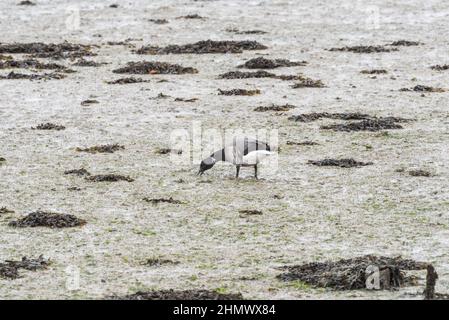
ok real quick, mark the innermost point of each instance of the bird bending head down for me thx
(206, 164)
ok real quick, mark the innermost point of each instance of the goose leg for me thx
(237, 172)
(255, 171)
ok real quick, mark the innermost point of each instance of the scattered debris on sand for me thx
(274, 107)
(74, 189)
(158, 21)
(126, 43)
(238, 92)
(365, 49)
(105, 148)
(32, 76)
(151, 67)
(192, 17)
(440, 67)
(202, 47)
(309, 117)
(186, 99)
(374, 71)
(419, 173)
(308, 83)
(157, 262)
(4, 210)
(179, 295)
(237, 31)
(109, 178)
(10, 269)
(250, 212)
(257, 74)
(405, 43)
(128, 80)
(48, 126)
(302, 143)
(342, 163)
(78, 172)
(167, 151)
(48, 219)
(352, 274)
(117, 43)
(2, 160)
(26, 3)
(88, 63)
(88, 102)
(246, 75)
(29, 64)
(156, 201)
(43, 50)
(368, 123)
(264, 63)
(422, 88)
(364, 125)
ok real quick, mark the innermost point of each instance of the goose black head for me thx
(206, 164)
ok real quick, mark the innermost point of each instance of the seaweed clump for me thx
(368, 123)
(342, 163)
(246, 75)
(48, 219)
(308, 83)
(32, 76)
(180, 295)
(364, 125)
(353, 274)
(147, 67)
(191, 17)
(28, 64)
(440, 67)
(364, 49)
(10, 269)
(257, 74)
(109, 178)
(128, 80)
(156, 201)
(302, 143)
(202, 47)
(238, 92)
(237, 31)
(167, 151)
(264, 63)
(48, 50)
(250, 212)
(87, 63)
(419, 173)
(78, 172)
(309, 117)
(88, 102)
(26, 3)
(49, 126)
(106, 148)
(405, 43)
(157, 262)
(422, 88)
(274, 107)
(158, 21)
(374, 71)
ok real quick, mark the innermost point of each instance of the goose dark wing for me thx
(254, 145)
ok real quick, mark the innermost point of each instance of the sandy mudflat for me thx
(309, 213)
